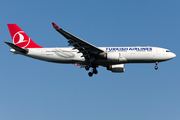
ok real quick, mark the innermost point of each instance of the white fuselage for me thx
(85, 54)
(126, 55)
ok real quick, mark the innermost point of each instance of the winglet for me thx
(54, 25)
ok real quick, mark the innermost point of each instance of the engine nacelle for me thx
(116, 68)
(113, 56)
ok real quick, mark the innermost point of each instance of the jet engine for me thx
(119, 68)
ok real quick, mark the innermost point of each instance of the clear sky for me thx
(35, 90)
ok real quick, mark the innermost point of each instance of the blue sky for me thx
(32, 89)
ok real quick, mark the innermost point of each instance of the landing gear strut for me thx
(94, 71)
(156, 67)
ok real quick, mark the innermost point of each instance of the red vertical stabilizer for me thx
(20, 38)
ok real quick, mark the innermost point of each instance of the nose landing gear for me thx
(156, 67)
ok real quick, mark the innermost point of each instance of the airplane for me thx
(85, 54)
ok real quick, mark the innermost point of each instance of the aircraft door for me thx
(121, 58)
(43, 52)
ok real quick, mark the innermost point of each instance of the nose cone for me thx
(173, 55)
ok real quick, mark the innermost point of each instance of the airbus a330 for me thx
(85, 54)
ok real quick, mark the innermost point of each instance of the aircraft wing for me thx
(84, 47)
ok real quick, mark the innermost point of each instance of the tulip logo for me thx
(21, 39)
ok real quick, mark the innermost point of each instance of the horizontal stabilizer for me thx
(17, 48)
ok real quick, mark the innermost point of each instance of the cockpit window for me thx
(168, 51)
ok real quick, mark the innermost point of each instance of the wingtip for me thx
(54, 25)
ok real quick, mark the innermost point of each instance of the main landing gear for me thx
(94, 70)
(156, 67)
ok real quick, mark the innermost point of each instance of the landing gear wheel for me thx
(90, 74)
(95, 71)
(156, 67)
(87, 68)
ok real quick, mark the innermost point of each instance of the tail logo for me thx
(21, 39)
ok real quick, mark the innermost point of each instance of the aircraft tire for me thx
(90, 74)
(87, 68)
(95, 71)
(156, 67)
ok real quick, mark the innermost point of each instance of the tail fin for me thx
(20, 38)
